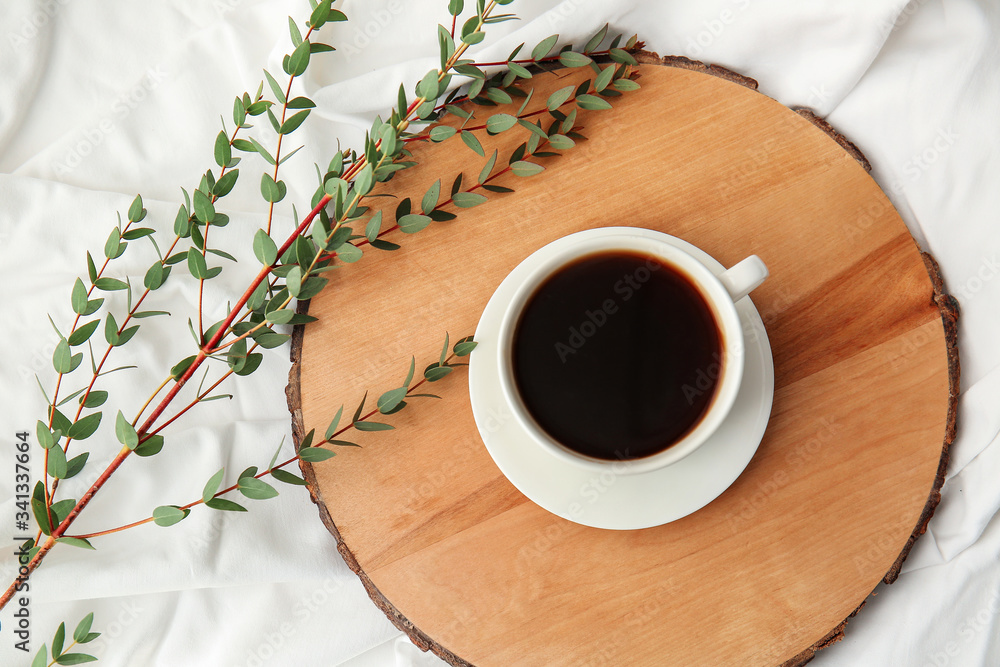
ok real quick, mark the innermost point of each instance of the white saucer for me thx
(623, 501)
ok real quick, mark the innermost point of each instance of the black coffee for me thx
(617, 355)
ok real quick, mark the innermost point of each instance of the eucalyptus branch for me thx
(63, 655)
(391, 402)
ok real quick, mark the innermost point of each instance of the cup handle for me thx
(744, 277)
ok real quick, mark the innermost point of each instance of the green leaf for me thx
(625, 85)
(440, 133)
(59, 421)
(623, 56)
(316, 454)
(94, 305)
(182, 223)
(334, 423)
(349, 253)
(74, 658)
(224, 505)
(75, 465)
(252, 364)
(62, 358)
(592, 102)
(287, 477)
(499, 96)
(57, 462)
(436, 371)
(430, 199)
(472, 142)
(373, 426)
(519, 70)
(126, 335)
(181, 367)
(574, 59)
(409, 374)
(429, 86)
(299, 60)
(271, 190)
(455, 7)
(136, 212)
(561, 141)
(138, 233)
(110, 284)
(150, 446)
(320, 14)
(293, 123)
(45, 438)
(293, 281)
(544, 47)
(342, 443)
(500, 122)
(596, 40)
(58, 639)
(264, 248)
(226, 183)
(196, 264)
(364, 180)
(168, 515)
(41, 515)
(82, 544)
(413, 223)
(465, 346)
(301, 103)
(95, 399)
(279, 94)
(522, 168)
(83, 628)
(373, 227)
(79, 297)
(488, 168)
(223, 151)
(80, 336)
(444, 350)
(155, 276)
(256, 489)
(283, 316)
(380, 244)
(212, 486)
(271, 340)
(41, 658)
(204, 210)
(558, 98)
(125, 432)
(468, 199)
(60, 510)
(604, 78)
(388, 401)
(91, 268)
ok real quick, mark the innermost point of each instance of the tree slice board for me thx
(848, 473)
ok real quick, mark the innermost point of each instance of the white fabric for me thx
(103, 99)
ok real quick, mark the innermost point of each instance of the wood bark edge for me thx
(946, 304)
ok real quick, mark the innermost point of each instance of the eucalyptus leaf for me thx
(168, 515)
(224, 505)
(85, 427)
(316, 454)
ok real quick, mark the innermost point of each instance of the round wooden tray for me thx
(846, 478)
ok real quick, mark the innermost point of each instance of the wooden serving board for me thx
(846, 478)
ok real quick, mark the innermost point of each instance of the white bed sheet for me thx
(101, 100)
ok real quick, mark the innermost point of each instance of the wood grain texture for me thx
(863, 336)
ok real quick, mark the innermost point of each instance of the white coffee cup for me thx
(719, 292)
